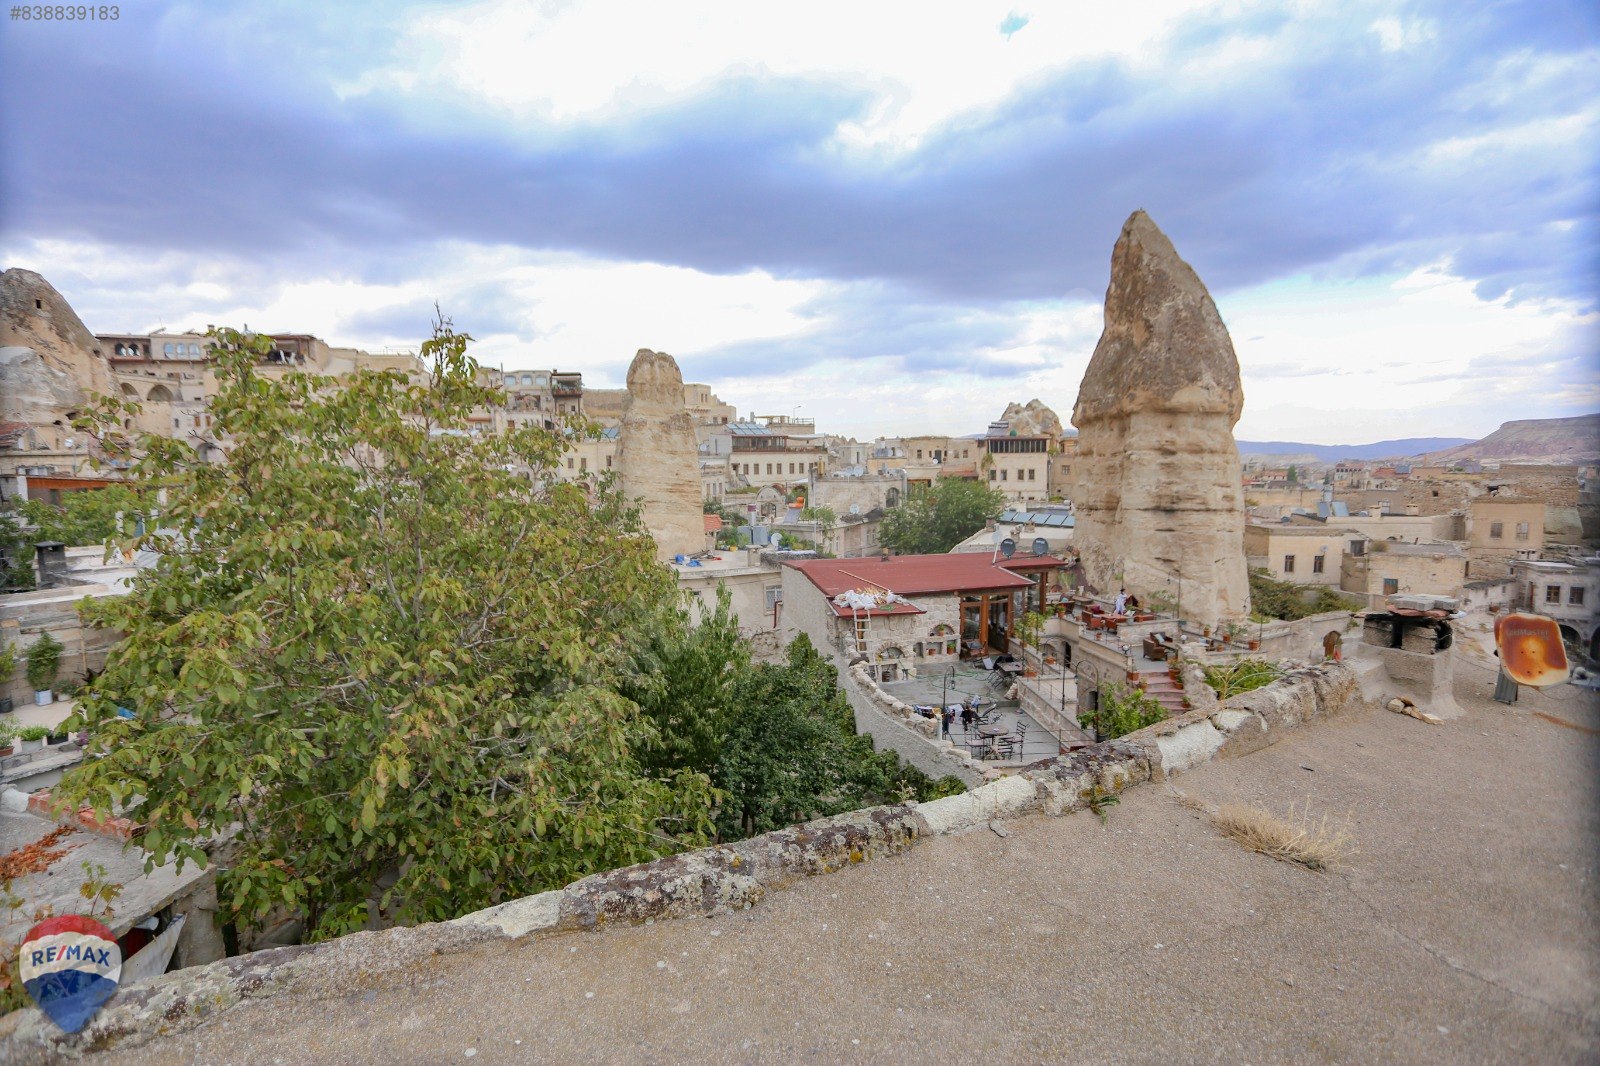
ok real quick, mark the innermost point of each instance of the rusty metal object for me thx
(1531, 650)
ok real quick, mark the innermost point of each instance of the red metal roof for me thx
(920, 575)
(713, 523)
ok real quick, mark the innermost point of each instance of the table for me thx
(1010, 668)
(988, 734)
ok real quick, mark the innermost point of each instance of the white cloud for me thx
(920, 63)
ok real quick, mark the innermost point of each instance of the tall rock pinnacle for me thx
(659, 456)
(49, 361)
(1159, 503)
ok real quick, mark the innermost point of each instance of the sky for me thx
(891, 217)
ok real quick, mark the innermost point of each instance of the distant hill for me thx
(1544, 440)
(1332, 453)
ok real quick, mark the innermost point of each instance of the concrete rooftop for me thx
(1463, 928)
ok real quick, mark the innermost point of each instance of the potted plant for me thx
(8, 732)
(33, 738)
(44, 660)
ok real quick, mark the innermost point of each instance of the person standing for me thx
(1121, 602)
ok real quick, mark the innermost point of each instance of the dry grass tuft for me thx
(1297, 838)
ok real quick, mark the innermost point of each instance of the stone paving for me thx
(955, 684)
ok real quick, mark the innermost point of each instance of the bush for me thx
(1124, 709)
(34, 732)
(44, 661)
(1272, 600)
(1242, 676)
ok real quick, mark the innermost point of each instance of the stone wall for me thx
(694, 884)
(893, 726)
(839, 494)
(24, 616)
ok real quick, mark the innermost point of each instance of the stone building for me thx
(1501, 528)
(776, 453)
(1017, 464)
(1158, 484)
(1305, 555)
(913, 610)
(856, 491)
(544, 399)
(1569, 592)
(1384, 568)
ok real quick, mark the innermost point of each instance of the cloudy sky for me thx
(892, 216)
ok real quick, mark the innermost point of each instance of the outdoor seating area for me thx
(976, 715)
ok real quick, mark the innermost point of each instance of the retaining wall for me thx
(709, 881)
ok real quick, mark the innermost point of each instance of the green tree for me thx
(791, 752)
(89, 516)
(1293, 475)
(686, 682)
(16, 555)
(380, 646)
(936, 519)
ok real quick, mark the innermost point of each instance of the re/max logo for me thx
(98, 956)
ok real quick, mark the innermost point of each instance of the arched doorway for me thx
(1333, 645)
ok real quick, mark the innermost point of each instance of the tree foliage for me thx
(90, 516)
(381, 649)
(777, 740)
(791, 751)
(1123, 709)
(16, 555)
(936, 519)
(1272, 599)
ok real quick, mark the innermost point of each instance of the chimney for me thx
(52, 559)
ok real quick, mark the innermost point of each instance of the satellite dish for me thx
(1040, 546)
(855, 508)
(1008, 547)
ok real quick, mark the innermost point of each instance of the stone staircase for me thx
(1167, 692)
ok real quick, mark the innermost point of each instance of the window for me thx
(194, 349)
(1391, 585)
(991, 475)
(1031, 472)
(1358, 547)
(608, 462)
(166, 350)
(1497, 530)
(569, 462)
(1288, 564)
(583, 464)
(1575, 596)
(1522, 531)
(774, 595)
(1552, 594)
(919, 453)
(1316, 564)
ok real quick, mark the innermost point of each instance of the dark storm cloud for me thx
(880, 330)
(1321, 164)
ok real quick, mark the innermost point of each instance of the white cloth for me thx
(1121, 604)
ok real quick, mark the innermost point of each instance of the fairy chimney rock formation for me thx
(49, 361)
(1032, 419)
(659, 457)
(1159, 507)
